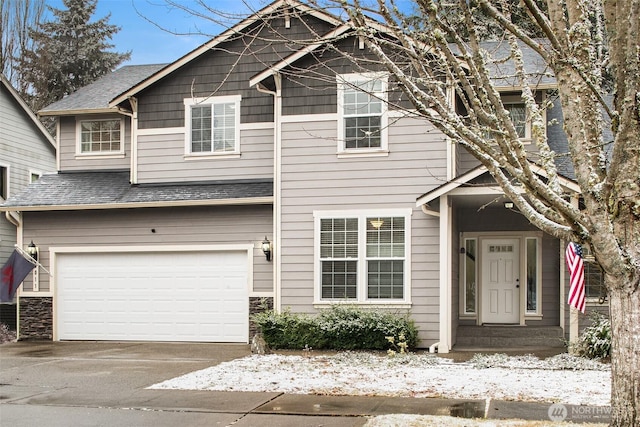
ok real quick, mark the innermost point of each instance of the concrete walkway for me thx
(105, 384)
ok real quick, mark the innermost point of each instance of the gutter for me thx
(178, 203)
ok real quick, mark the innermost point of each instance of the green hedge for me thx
(337, 328)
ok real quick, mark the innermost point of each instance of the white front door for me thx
(500, 281)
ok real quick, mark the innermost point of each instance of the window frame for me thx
(118, 153)
(510, 98)
(362, 259)
(348, 81)
(590, 262)
(5, 178)
(189, 104)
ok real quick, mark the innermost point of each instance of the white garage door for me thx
(152, 296)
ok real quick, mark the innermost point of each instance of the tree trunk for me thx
(625, 356)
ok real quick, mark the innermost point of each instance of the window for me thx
(470, 270)
(363, 258)
(593, 277)
(34, 176)
(362, 112)
(532, 275)
(101, 136)
(518, 115)
(4, 182)
(212, 125)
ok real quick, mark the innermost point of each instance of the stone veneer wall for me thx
(257, 305)
(35, 318)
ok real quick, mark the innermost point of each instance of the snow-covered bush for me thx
(595, 340)
(339, 328)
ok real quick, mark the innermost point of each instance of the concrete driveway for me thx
(104, 384)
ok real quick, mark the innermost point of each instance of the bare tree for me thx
(592, 50)
(583, 43)
(16, 18)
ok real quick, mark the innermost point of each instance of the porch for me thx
(497, 337)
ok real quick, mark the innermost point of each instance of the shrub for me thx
(338, 328)
(595, 340)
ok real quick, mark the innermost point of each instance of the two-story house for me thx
(266, 169)
(27, 151)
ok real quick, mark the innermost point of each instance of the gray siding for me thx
(226, 70)
(314, 179)
(68, 140)
(173, 226)
(23, 149)
(161, 158)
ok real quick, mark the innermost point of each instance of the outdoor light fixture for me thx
(266, 248)
(377, 223)
(32, 250)
(508, 205)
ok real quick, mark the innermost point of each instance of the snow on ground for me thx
(562, 378)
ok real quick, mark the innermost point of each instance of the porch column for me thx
(445, 275)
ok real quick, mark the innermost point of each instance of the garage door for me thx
(152, 296)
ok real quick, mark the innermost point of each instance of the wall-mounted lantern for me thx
(266, 248)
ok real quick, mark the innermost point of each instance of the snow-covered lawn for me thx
(562, 378)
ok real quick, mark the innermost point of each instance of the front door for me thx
(500, 281)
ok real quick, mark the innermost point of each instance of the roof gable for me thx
(16, 96)
(226, 35)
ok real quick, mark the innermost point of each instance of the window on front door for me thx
(363, 258)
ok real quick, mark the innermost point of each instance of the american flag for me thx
(575, 263)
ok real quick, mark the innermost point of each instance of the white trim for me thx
(305, 118)
(363, 153)
(161, 131)
(7, 183)
(211, 101)
(32, 173)
(445, 316)
(348, 81)
(361, 215)
(522, 237)
(100, 154)
(208, 202)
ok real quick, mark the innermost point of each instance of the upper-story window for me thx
(101, 136)
(518, 115)
(212, 125)
(362, 111)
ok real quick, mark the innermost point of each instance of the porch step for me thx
(508, 336)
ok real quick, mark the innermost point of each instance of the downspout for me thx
(427, 211)
(277, 167)
(133, 173)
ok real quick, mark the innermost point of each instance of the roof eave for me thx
(78, 111)
(177, 203)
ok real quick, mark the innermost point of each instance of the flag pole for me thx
(31, 259)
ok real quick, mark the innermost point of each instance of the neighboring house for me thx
(172, 179)
(27, 151)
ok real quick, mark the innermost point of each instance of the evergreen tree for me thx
(68, 53)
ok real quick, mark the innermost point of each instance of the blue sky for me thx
(148, 43)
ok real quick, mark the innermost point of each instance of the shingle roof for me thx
(98, 94)
(101, 190)
(503, 71)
